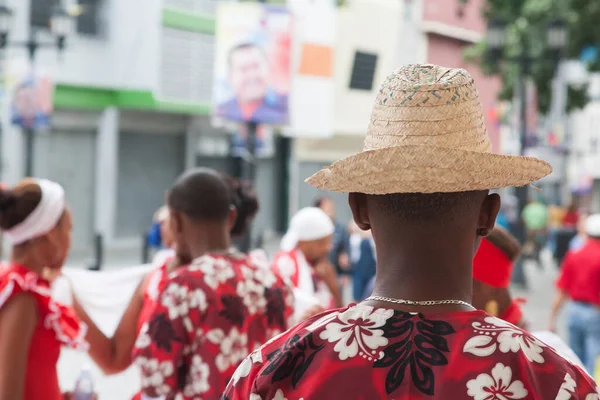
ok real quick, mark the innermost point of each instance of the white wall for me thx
(125, 55)
(584, 131)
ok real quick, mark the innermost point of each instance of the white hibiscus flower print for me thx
(356, 332)
(154, 374)
(498, 386)
(234, 347)
(567, 389)
(259, 258)
(254, 396)
(197, 299)
(265, 276)
(253, 294)
(497, 334)
(143, 340)
(594, 396)
(175, 299)
(197, 378)
(246, 366)
(216, 270)
(286, 267)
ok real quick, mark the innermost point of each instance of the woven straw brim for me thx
(426, 169)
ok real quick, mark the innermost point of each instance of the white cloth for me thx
(104, 295)
(310, 223)
(44, 217)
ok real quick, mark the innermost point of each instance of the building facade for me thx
(131, 112)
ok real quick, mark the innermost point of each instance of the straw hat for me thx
(427, 135)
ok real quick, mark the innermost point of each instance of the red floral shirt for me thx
(367, 353)
(208, 318)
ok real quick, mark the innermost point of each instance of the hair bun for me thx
(7, 199)
(245, 201)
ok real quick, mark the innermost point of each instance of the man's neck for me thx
(424, 267)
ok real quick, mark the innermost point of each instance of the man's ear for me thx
(489, 211)
(233, 214)
(358, 205)
(175, 222)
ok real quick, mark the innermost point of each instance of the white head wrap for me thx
(592, 226)
(308, 224)
(44, 217)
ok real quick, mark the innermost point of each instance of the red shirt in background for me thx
(571, 219)
(580, 274)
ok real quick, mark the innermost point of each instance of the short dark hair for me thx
(426, 207)
(201, 194)
(242, 46)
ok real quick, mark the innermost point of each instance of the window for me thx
(88, 23)
(40, 13)
(363, 71)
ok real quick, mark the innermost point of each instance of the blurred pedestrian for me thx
(340, 252)
(579, 240)
(160, 237)
(216, 307)
(363, 269)
(492, 267)
(303, 261)
(556, 215)
(579, 283)
(535, 218)
(420, 186)
(33, 327)
(492, 270)
(146, 296)
(571, 217)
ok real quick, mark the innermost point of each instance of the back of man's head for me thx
(421, 208)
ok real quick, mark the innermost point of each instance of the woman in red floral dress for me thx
(213, 312)
(114, 355)
(33, 327)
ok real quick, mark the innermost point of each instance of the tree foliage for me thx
(527, 22)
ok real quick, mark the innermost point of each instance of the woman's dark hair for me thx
(245, 201)
(202, 194)
(16, 204)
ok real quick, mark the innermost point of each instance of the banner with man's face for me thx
(31, 92)
(252, 63)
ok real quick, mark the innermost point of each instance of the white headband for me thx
(308, 224)
(44, 217)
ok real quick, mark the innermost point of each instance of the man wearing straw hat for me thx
(422, 186)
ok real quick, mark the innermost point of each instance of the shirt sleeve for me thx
(566, 274)
(164, 338)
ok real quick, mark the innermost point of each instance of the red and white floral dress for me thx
(57, 326)
(367, 353)
(296, 271)
(209, 316)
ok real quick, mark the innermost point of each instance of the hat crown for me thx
(428, 105)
